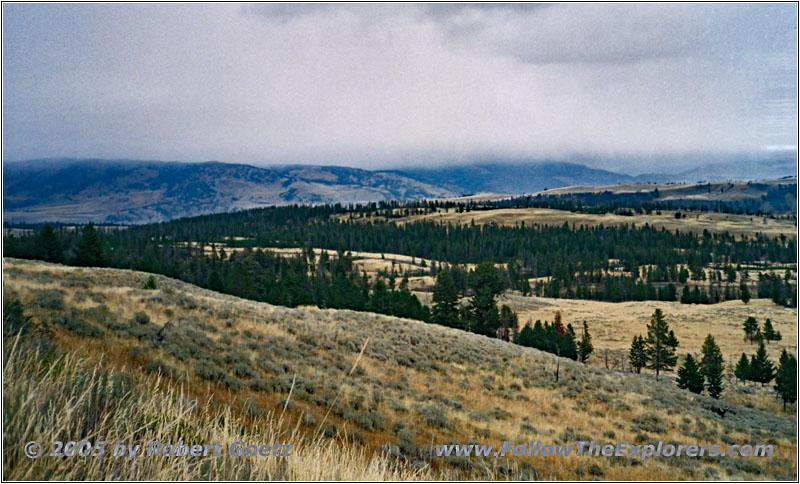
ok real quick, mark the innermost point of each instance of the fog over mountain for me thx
(127, 191)
(400, 85)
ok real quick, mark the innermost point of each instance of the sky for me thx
(377, 86)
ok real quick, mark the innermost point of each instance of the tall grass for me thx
(67, 399)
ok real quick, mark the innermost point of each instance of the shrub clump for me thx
(207, 371)
(141, 317)
(433, 415)
(159, 367)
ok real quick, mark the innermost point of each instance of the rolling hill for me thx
(79, 191)
(126, 192)
(202, 366)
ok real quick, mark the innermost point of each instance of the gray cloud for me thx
(377, 85)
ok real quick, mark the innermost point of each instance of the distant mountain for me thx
(513, 178)
(779, 165)
(120, 191)
(78, 191)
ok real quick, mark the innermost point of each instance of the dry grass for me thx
(613, 325)
(74, 399)
(413, 385)
(694, 222)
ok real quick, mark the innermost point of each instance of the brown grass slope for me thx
(385, 389)
(695, 222)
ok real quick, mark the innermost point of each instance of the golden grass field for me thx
(694, 222)
(383, 389)
(613, 325)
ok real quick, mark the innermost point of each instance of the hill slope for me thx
(513, 178)
(78, 191)
(385, 384)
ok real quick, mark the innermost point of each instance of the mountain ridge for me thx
(75, 190)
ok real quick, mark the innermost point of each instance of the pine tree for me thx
(445, 301)
(585, 347)
(712, 366)
(525, 337)
(567, 346)
(744, 292)
(90, 249)
(661, 344)
(215, 282)
(539, 336)
(713, 377)
(638, 353)
(712, 355)
(786, 378)
(762, 370)
(509, 326)
(48, 245)
(486, 284)
(379, 302)
(689, 377)
(742, 370)
(769, 331)
(750, 327)
(150, 283)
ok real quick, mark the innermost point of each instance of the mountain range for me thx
(130, 191)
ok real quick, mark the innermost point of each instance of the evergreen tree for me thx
(689, 377)
(48, 245)
(89, 252)
(509, 326)
(568, 347)
(712, 355)
(240, 283)
(742, 370)
(150, 283)
(762, 370)
(638, 353)
(539, 336)
(713, 377)
(525, 337)
(769, 332)
(380, 302)
(585, 347)
(215, 282)
(712, 365)
(744, 292)
(750, 327)
(661, 344)
(486, 284)
(445, 300)
(786, 378)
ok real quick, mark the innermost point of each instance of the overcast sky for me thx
(388, 85)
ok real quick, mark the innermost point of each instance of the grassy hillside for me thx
(694, 222)
(383, 389)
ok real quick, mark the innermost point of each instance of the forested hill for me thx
(79, 191)
(514, 178)
(610, 263)
(119, 191)
(130, 192)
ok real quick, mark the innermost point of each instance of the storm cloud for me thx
(388, 85)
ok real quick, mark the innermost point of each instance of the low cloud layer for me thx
(387, 85)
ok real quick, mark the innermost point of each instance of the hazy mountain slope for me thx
(388, 383)
(139, 191)
(78, 191)
(514, 178)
